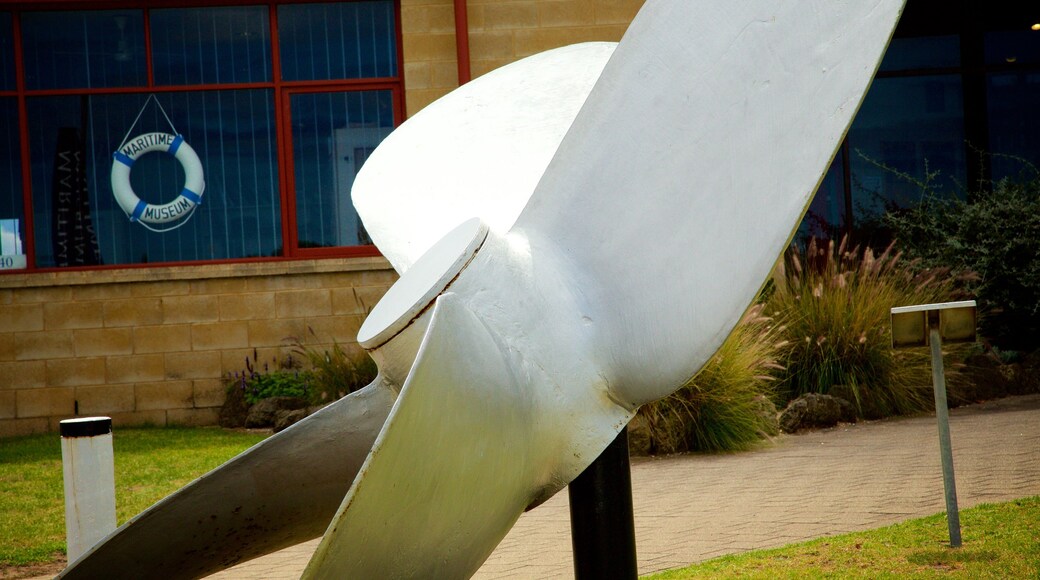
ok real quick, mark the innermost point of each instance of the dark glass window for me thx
(70, 50)
(1014, 122)
(211, 45)
(347, 40)
(905, 128)
(916, 53)
(825, 217)
(333, 134)
(233, 133)
(7, 82)
(12, 214)
(1013, 47)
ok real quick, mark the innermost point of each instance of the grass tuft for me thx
(726, 406)
(836, 303)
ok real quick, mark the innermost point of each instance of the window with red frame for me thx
(280, 102)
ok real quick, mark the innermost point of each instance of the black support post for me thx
(602, 529)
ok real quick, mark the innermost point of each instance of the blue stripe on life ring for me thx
(191, 196)
(175, 145)
(138, 211)
(124, 159)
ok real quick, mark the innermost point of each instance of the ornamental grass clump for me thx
(726, 406)
(836, 302)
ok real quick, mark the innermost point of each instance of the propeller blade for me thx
(276, 494)
(687, 170)
(477, 152)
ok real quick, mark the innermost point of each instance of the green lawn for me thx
(999, 541)
(149, 465)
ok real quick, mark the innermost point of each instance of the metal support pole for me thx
(89, 475)
(602, 527)
(942, 414)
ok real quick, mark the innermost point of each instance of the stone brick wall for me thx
(153, 345)
(500, 32)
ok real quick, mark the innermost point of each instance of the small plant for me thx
(726, 407)
(334, 373)
(274, 378)
(836, 302)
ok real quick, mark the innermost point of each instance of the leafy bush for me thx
(995, 233)
(334, 373)
(726, 406)
(275, 378)
(836, 304)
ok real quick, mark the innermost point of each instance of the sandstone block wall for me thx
(500, 32)
(154, 345)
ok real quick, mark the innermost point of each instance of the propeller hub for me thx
(413, 294)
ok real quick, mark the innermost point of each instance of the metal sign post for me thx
(603, 534)
(928, 325)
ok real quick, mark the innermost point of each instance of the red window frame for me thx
(281, 90)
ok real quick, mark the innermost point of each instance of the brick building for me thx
(106, 311)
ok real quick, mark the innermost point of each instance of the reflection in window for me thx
(7, 82)
(347, 40)
(1013, 47)
(333, 134)
(12, 213)
(232, 132)
(925, 52)
(826, 215)
(910, 126)
(65, 50)
(211, 45)
(1014, 123)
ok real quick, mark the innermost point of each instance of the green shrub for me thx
(836, 304)
(274, 378)
(335, 373)
(726, 406)
(995, 233)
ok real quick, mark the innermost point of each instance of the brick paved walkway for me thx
(691, 508)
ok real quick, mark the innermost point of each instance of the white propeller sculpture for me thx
(618, 239)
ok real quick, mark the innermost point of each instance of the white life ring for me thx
(191, 193)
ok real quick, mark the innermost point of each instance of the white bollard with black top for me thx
(90, 491)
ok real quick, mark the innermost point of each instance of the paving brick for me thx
(249, 306)
(21, 317)
(218, 286)
(209, 392)
(193, 365)
(184, 309)
(45, 402)
(155, 418)
(19, 427)
(42, 295)
(135, 368)
(23, 374)
(75, 371)
(164, 288)
(44, 345)
(8, 406)
(105, 400)
(103, 341)
(66, 315)
(103, 292)
(7, 346)
(132, 312)
(163, 338)
(276, 332)
(193, 417)
(303, 303)
(219, 335)
(163, 395)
